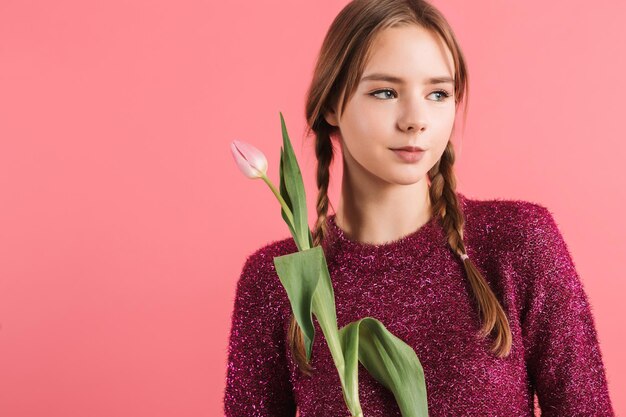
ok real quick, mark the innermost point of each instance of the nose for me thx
(414, 126)
(413, 120)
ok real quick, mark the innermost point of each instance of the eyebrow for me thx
(397, 80)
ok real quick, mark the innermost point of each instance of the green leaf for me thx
(285, 196)
(299, 273)
(389, 360)
(324, 306)
(294, 188)
(306, 279)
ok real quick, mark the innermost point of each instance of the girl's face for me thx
(415, 108)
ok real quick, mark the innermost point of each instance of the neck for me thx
(382, 213)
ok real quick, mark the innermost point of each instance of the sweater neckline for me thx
(426, 235)
(420, 238)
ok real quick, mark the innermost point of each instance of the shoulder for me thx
(258, 277)
(262, 259)
(504, 221)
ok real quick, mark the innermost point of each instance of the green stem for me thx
(280, 200)
(328, 324)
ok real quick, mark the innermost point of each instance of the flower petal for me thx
(250, 160)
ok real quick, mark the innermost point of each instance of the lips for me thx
(408, 156)
(409, 148)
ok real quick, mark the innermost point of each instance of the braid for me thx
(446, 206)
(324, 153)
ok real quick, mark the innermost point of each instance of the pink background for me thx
(125, 222)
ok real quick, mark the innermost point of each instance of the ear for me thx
(331, 117)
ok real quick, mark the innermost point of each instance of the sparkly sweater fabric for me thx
(418, 289)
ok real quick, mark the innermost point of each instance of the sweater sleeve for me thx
(257, 381)
(563, 355)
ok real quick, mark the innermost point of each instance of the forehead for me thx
(411, 52)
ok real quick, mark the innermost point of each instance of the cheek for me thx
(444, 131)
(367, 116)
(451, 119)
(359, 122)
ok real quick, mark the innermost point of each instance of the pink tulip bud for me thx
(250, 160)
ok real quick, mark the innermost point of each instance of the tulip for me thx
(250, 160)
(253, 164)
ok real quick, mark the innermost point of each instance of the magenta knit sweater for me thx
(418, 289)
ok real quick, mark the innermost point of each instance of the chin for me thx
(408, 179)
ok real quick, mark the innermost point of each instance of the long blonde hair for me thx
(339, 67)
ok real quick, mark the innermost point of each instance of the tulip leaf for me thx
(325, 311)
(324, 304)
(306, 279)
(285, 195)
(299, 273)
(294, 188)
(389, 360)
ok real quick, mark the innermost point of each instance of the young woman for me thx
(484, 291)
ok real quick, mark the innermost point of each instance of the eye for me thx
(443, 93)
(382, 91)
